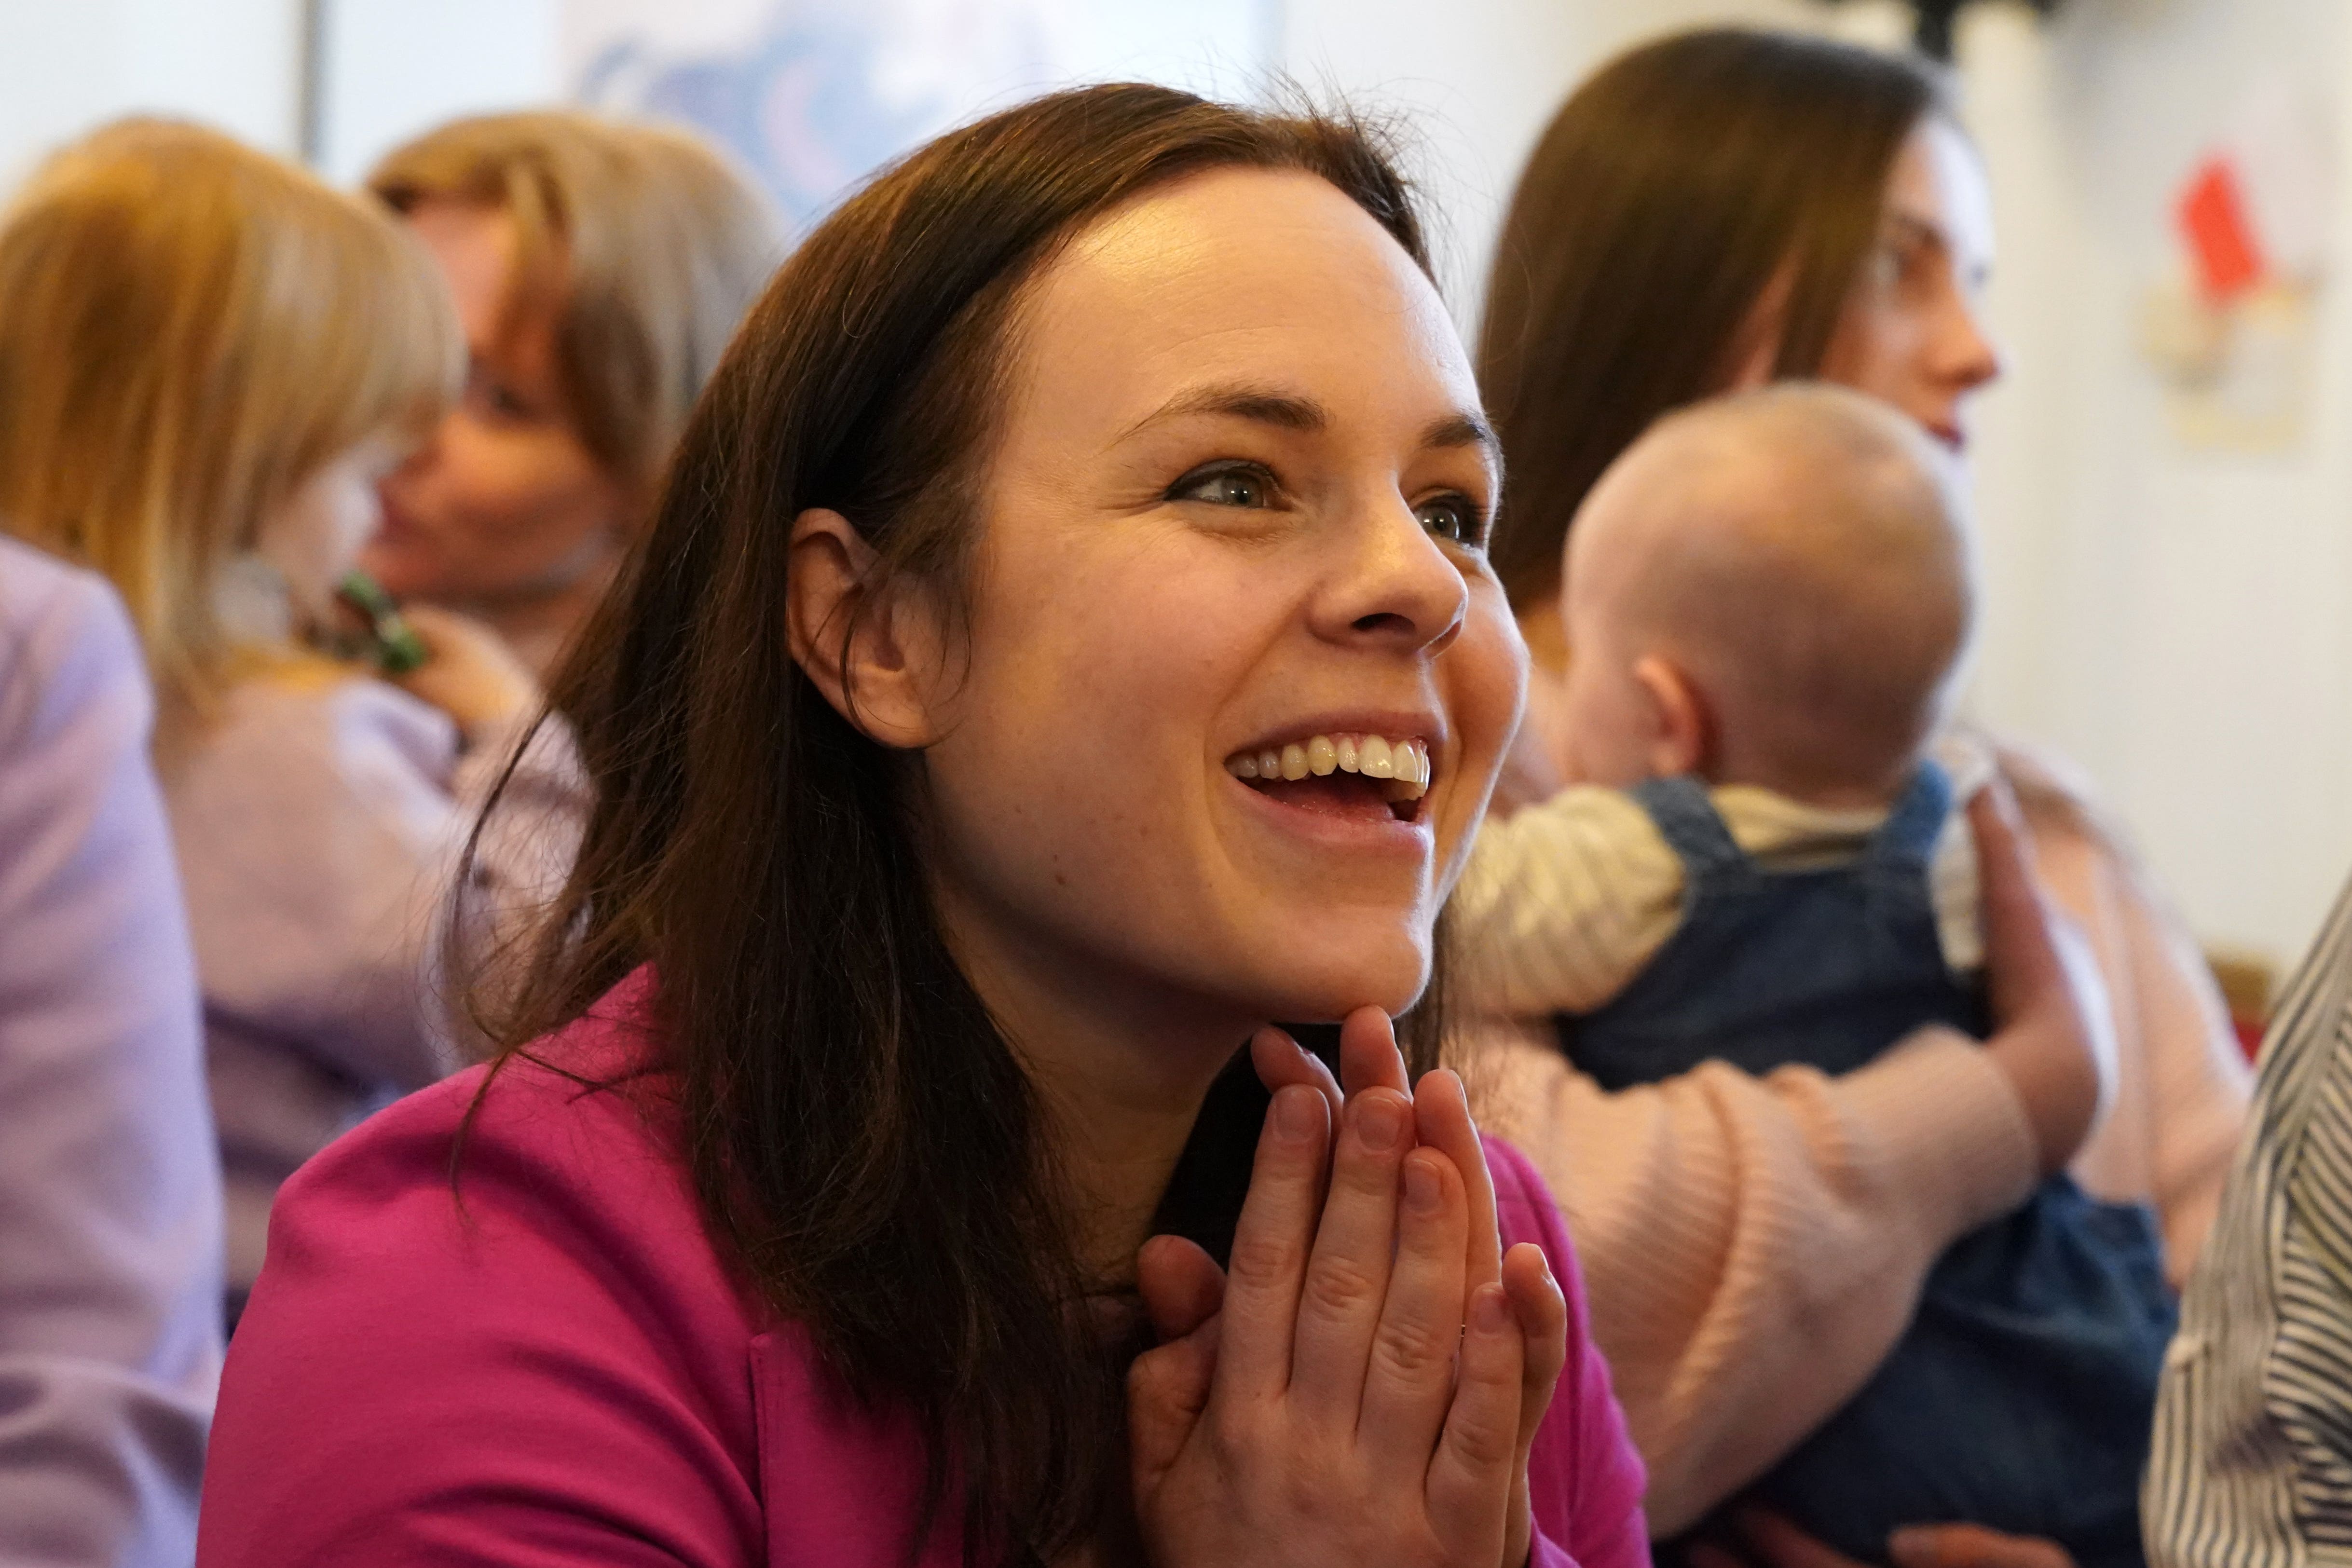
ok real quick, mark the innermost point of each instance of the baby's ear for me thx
(1682, 724)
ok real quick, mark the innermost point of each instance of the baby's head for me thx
(1769, 589)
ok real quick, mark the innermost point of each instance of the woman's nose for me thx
(1400, 587)
(1967, 357)
(405, 475)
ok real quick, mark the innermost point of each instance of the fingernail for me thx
(1489, 1312)
(1911, 1547)
(1422, 1192)
(1464, 1090)
(1379, 1124)
(1295, 1113)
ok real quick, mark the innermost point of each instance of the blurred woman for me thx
(598, 268)
(1711, 211)
(209, 360)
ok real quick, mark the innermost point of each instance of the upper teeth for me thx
(1374, 757)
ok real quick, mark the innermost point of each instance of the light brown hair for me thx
(642, 243)
(189, 329)
(1678, 186)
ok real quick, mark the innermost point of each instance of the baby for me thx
(1767, 600)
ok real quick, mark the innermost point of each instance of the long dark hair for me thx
(865, 1146)
(1668, 196)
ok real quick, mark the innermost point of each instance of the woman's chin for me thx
(404, 570)
(1325, 986)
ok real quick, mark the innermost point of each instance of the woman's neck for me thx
(1546, 636)
(538, 627)
(1122, 1066)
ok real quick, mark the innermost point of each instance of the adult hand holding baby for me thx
(1365, 1384)
(469, 672)
(1762, 1539)
(2054, 1037)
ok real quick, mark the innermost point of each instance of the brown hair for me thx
(188, 329)
(641, 243)
(1672, 193)
(863, 1140)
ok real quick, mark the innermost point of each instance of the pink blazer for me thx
(562, 1372)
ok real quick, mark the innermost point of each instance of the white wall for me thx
(391, 69)
(2179, 622)
(68, 65)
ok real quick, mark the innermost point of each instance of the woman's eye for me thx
(1885, 267)
(495, 398)
(1456, 518)
(1226, 487)
(504, 403)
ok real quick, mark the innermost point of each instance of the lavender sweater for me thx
(110, 1203)
(320, 819)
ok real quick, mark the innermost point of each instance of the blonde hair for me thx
(642, 244)
(189, 329)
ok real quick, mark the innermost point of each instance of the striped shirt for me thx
(2251, 1466)
(1565, 902)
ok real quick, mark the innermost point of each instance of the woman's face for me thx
(1914, 333)
(505, 504)
(1236, 517)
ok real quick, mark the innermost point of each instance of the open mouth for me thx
(1368, 777)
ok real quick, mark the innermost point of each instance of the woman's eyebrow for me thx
(1292, 411)
(1918, 229)
(1462, 430)
(1286, 411)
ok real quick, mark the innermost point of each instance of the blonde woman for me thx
(598, 268)
(209, 360)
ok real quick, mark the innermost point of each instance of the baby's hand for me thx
(469, 672)
(2056, 1038)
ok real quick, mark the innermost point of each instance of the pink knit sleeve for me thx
(1584, 1479)
(2182, 1085)
(1754, 1245)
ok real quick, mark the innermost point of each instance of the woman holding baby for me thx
(1710, 214)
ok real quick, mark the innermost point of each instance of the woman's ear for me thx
(878, 662)
(1681, 738)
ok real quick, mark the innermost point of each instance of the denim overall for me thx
(2022, 1395)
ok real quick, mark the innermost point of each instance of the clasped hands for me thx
(1362, 1384)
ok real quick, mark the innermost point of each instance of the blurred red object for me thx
(2213, 218)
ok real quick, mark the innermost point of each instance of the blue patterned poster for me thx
(815, 94)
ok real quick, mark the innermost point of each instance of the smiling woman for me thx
(810, 1215)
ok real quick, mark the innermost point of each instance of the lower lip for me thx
(1365, 834)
